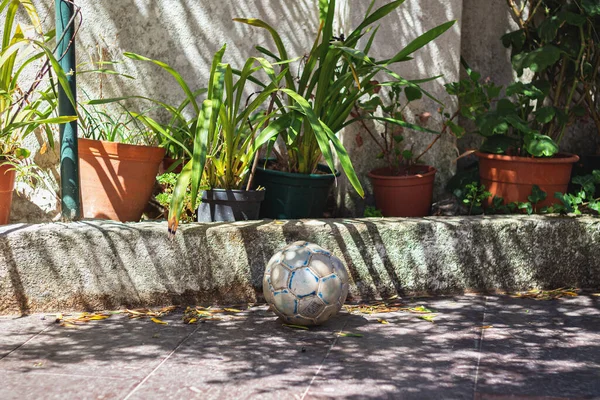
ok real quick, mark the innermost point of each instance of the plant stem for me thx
(444, 129)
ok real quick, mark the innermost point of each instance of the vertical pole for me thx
(69, 159)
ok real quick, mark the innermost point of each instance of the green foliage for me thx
(99, 123)
(332, 77)
(559, 42)
(582, 200)
(22, 111)
(167, 182)
(372, 212)
(390, 141)
(228, 129)
(570, 203)
(474, 196)
(510, 125)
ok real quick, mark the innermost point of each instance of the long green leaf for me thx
(171, 71)
(421, 41)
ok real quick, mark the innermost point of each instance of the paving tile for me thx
(545, 349)
(19, 386)
(407, 358)
(14, 331)
(115, 347)
(253, 356)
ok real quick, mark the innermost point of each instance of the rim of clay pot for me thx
(238, 194)
(297, 175)
(122, 151)
(376, 174)
(559, 158)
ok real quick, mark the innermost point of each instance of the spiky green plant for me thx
(24, 110)
(333, 76)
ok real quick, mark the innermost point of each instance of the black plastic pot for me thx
(294, 196)
(220, 205)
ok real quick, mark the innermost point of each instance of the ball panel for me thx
(275, 259)
(285, 302)
(296, 258)
(310, 307)
(303, 282)
(345, 289)
(299, 320)
(330, 289)
(321, 265)
(328, 312)
(317, 249)
(339, 268)
(280, 276)
(268, 290)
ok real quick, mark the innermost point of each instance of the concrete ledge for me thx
(104, 265)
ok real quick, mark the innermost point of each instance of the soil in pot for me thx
(406, 195)
(294, 196)
(220, 205)
(512, 177)
(7, 186)
(116, 179)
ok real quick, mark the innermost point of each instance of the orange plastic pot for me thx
(512, 177)
(7, 186)
(406, 195)
(116, 179)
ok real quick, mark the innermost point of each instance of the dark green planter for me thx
(220, 205)
(294, 196)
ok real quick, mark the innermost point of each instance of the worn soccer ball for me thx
(305, 284)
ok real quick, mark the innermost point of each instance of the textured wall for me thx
(105, 265)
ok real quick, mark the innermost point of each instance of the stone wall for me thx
(103, 265)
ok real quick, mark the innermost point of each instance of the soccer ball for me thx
(305, 284)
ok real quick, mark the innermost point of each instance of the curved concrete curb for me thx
(105, 265)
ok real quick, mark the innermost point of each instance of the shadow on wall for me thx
(185, 34)
(104, 265)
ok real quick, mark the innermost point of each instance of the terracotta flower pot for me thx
(166, 163)
(512, 177)
(7, 186)
(116, 179)
(406, 195)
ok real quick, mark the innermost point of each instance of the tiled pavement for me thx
(529, 350)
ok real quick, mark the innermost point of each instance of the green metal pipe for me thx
(69, 159)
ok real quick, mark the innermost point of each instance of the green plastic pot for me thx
(294, 196)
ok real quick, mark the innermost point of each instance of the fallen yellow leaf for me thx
(348, 334)
(193, 321)
(158, 321)
(97, 317)
(296, 326)
(234, 310)
(44, 148)
(382, 321)
(428, 317)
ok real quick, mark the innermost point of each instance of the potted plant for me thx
(403, 188)
(560, 43)
(226, 133)
(118, 163)
(23, 111)
(516, 155)
(332, 76)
